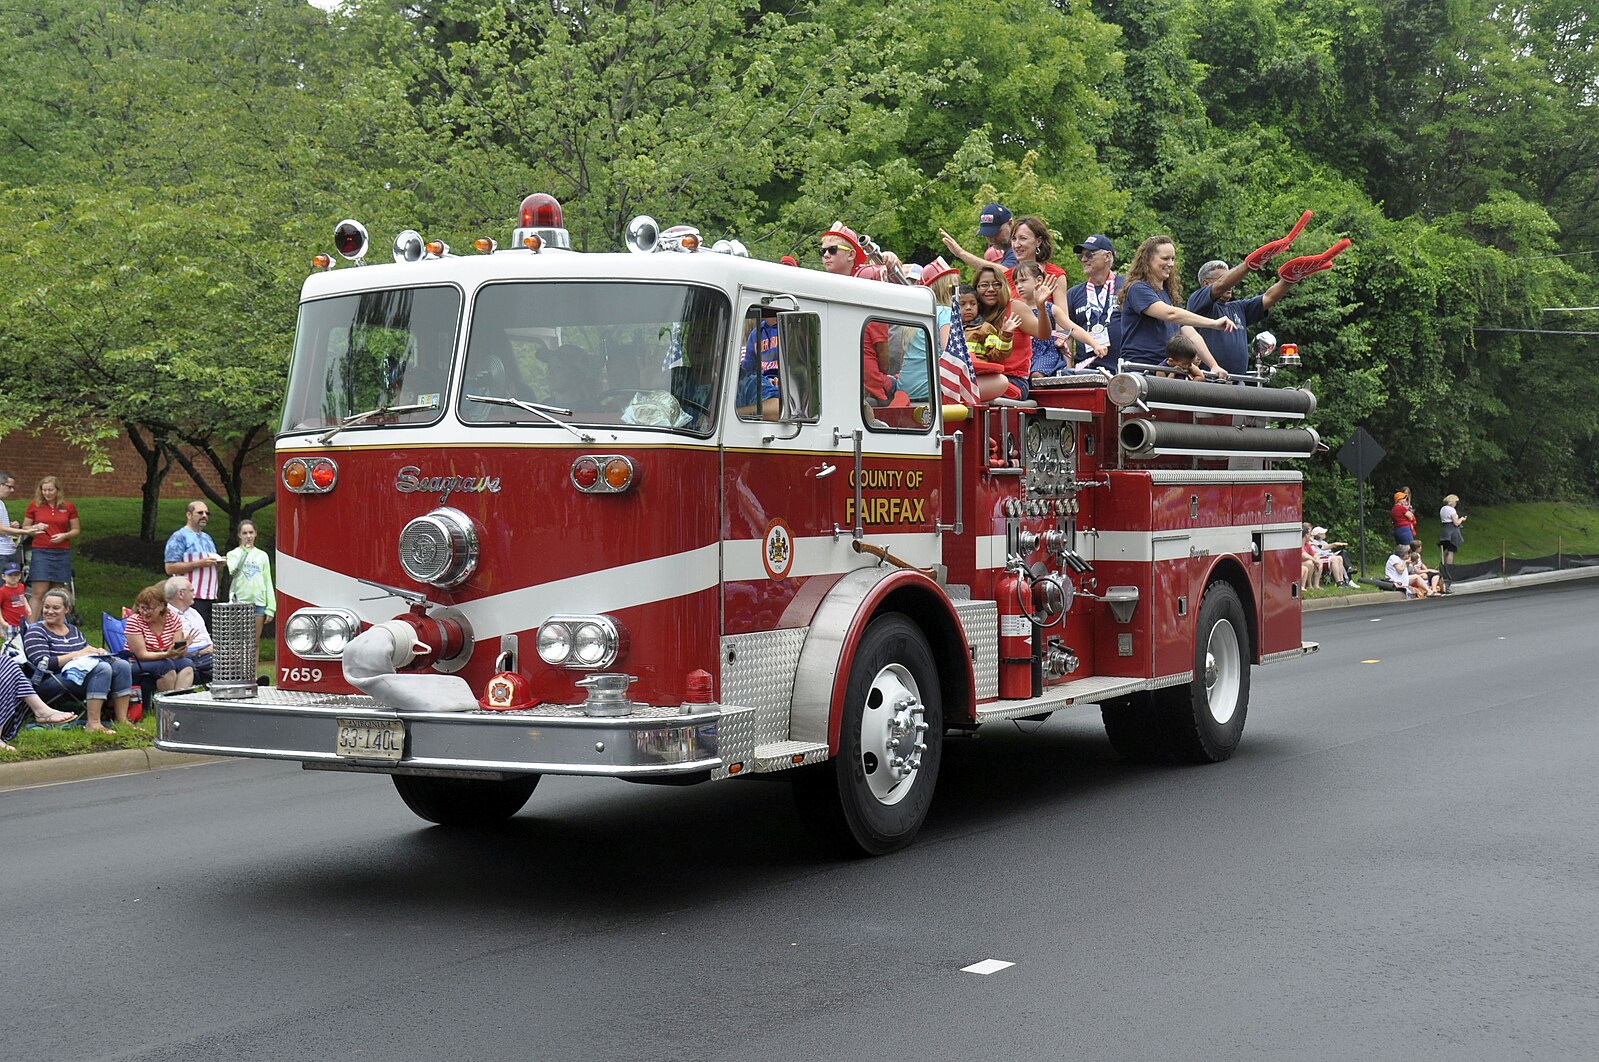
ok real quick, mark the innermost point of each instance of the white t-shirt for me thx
(8, 544)
(1396, 572)
(194, 630)
(1446, 515)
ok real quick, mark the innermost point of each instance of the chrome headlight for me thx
(580, 641)
(320, 633)
(440, 548)
(299, 634)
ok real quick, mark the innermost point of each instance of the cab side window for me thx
(896, 376)
(759, 390)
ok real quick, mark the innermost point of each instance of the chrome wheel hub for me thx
(892, 728)
(1223, 668)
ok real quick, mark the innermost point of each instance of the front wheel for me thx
(874, 796)
(464, 801)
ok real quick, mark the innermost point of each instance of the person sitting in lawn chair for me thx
(64, 659)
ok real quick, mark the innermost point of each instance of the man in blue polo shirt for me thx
(1093, 304)
(1214, 299)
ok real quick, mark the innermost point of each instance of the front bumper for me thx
(548, 739)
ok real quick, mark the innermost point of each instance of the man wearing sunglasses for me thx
(1092, 304)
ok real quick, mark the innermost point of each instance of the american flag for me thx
(955, 364)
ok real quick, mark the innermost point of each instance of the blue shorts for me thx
(50, 566)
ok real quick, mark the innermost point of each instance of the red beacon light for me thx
(540, 218)
(349, 239)
(541, 211)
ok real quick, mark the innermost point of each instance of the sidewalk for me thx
(131, 761)
(1476, 586)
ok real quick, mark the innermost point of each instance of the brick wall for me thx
(30, 455)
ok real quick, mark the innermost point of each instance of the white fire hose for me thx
(373, 657)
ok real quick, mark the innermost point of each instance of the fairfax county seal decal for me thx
(777, 550)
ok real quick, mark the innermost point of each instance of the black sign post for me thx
(1360, 455)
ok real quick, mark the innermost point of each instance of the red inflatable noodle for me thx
(1265, 253)
(1296, 269)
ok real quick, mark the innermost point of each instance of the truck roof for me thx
(701, 267)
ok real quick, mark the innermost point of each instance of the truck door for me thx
(795, 463)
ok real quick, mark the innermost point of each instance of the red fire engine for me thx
(633, 515)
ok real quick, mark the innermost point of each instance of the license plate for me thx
(371, 739)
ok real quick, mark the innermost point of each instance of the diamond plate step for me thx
(779, 755)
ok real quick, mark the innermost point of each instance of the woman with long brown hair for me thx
(1150, 308)
(1006, 359)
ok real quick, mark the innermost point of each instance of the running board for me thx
(785, 755)
(1305, 649)
(1088, 690)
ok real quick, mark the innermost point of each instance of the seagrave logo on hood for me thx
(410, 480)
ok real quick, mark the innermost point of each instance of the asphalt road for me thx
(1399, 863)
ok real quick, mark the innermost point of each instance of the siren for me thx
(643, 234)
(409, 247)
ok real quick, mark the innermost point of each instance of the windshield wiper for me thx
(535, 409)
(360, 418)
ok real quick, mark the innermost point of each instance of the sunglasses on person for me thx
(830, 249)
(1083, 256)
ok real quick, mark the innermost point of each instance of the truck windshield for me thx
(370, 353)
(612, 353)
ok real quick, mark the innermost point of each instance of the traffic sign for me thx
(1361, 453)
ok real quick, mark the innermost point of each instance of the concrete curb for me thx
(1476, 586)
(31, 773)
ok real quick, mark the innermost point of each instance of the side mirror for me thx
(799, 361)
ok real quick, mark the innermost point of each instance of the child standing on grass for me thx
(13, 600)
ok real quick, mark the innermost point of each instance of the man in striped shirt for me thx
(190, 552)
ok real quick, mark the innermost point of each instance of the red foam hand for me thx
(1296, 269)
(1266, 252)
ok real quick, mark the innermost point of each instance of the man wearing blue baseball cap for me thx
(994, 224)
(1093, 303)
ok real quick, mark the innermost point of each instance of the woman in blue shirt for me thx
(1150, 310)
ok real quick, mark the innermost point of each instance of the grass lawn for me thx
(1532, 529)
(41, 744)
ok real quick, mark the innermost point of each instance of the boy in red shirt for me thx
(13, 600)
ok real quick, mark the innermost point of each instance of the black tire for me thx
(464, 801)
(1203, 720)
(862, 801)
(1206, 717)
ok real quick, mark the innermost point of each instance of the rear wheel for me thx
(874, 796)
(1201, 721)
(464, 801)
